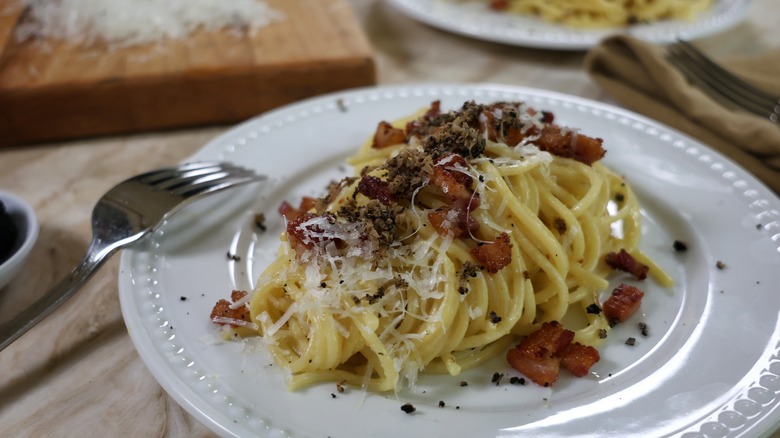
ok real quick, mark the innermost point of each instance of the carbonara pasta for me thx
(604, 13)
(459, 232)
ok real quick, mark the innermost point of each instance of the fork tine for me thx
(174, 184)
(725, 96)
(197, 176)
(721, 84)
(211, 185)
(722, 76)
(197, 168)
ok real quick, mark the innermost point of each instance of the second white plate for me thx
(475, 19)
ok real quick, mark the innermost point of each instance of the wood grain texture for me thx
(10, 12)
(52, 90)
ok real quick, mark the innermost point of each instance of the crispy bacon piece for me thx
(297, 233)
(451, 163)
(570, 144)
(512, 133)
(624, 261)
(494, 255)
(541, 354)
(499, 5)
(454, 220)
(420, 126)
(304, 235)
(578, 358)
(290, 213)
(223, 310)
(623, 303)
(542, 371)
(551, 138)
(386, 135)
(456, 185)
(547, 116)
(375, 188)
(307, 203)
(536, 356)
(449, 184)
(509, 135)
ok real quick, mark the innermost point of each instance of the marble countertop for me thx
(77, 373)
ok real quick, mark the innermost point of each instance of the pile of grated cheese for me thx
(123, 23)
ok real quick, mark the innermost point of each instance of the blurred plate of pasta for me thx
(706, 364)
(477, 19)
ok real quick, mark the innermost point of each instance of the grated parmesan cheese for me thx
(122, 23)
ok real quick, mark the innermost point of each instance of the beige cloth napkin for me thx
(639, 77)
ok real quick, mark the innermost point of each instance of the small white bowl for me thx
(27, 224)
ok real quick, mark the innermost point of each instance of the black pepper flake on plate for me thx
(496, 378)
(183, 298)
(464, 383)
(341, 105)
(514, 380)
(260, 221)
(332, 395)
(593, 308)
(441, 403)
(720, 265)
(631, 341)
(679, 246)
(234, 257)
(408, 408)
(643, 328)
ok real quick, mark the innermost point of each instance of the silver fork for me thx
(721, 84)
(129, 212)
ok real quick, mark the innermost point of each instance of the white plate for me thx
(475, 19)
(709, 366)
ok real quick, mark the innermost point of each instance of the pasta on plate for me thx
(460, 232)
(604, 13)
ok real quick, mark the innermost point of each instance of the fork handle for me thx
(35, 313)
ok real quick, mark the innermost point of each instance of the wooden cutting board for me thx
(55, 91)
